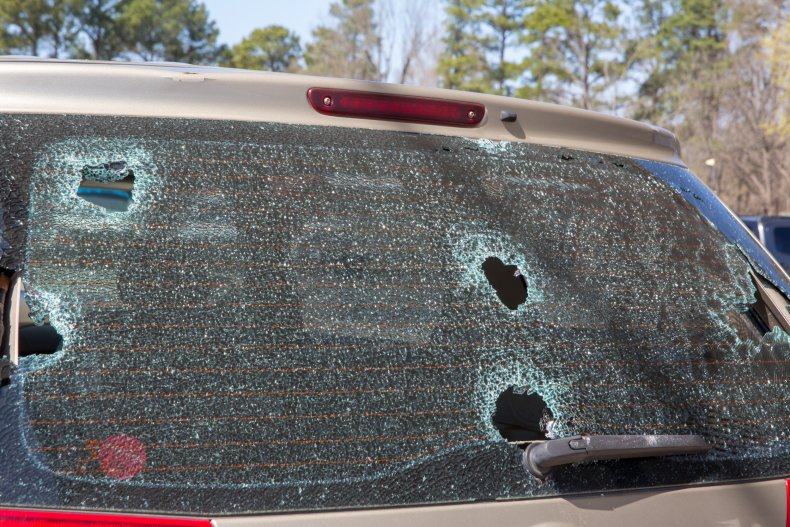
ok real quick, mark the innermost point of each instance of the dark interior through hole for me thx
(507, 281)
(522, 415)
(19, 335)
(31, 338)
(36, 339)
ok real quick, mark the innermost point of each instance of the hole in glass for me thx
(522, 415)
(507, 281)
(108, 185)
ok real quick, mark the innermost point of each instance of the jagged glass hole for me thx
(108, 185)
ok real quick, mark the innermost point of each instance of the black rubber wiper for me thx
(540, 458)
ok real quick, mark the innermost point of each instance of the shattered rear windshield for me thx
(281, 317)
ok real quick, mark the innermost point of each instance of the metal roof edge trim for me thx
(182, 91)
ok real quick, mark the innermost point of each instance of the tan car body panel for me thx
(747, 504)
(29, 85)
(184, 91)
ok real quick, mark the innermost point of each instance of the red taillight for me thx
(27, 518)
(348, 103)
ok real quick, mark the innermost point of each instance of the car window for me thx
(297, 318)
(781, 236)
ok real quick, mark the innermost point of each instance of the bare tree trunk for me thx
(415, 36)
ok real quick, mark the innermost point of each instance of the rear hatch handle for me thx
(541, 457)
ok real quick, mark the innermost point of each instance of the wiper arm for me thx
(540, 458)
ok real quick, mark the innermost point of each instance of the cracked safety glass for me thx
(286, 317)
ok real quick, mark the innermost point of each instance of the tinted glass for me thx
(291, 318)
(782, 240)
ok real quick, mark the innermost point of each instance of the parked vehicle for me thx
(358, 303)
(774, 233)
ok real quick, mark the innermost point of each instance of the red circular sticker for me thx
(122, 456)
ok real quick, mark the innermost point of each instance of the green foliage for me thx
(688, 50)
(505, 21)
(36, 27)
(98, 22)
(351, 46)
(463, 64)
(556, 50)
(576, 51)
(175, 30)
(170, 30)
(272, 48)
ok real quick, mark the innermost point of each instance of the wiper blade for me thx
(541, 457)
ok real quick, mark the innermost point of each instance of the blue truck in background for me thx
(774, 233)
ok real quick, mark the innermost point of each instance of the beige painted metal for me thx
(774, 300)
(179, 90)
(741, 505)
(14, 305)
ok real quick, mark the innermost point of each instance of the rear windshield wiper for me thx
(541, 457)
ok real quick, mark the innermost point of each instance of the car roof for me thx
(177, 90)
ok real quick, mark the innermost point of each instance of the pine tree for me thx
(97, 21)
(504, 19)
(351, 47)
(272, 48)
(690, 52)
(463, 64)
(170, 30)
(36, 27)
(576, 52)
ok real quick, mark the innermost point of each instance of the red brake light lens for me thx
(349, 103)
(26, 518)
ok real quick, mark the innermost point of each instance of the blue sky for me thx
(236, 18)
